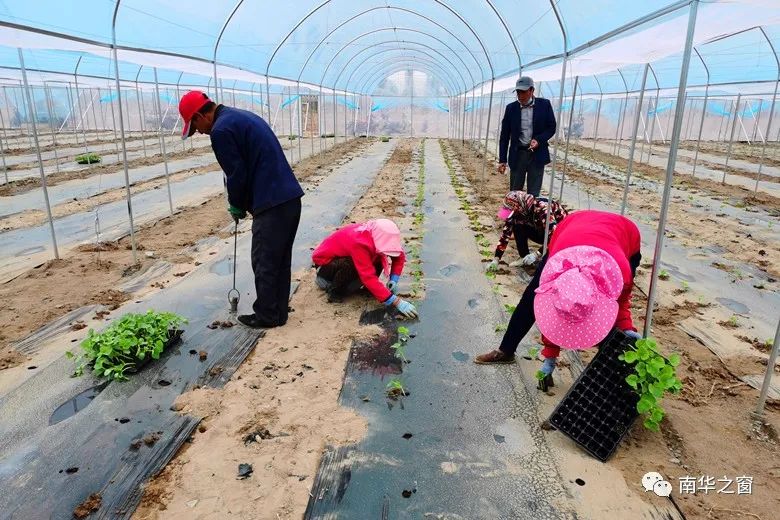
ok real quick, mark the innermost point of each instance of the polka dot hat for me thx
(576, 302)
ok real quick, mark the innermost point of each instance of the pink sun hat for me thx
(576, 302)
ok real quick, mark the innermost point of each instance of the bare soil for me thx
(280, 409)
(715, 189)
(708, 429)
(47, 292)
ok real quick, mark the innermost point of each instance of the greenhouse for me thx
(477, 259)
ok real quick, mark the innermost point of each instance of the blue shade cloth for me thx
(293, 99)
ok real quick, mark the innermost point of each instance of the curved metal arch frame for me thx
(655, 105)
(394, 29)
(390, 7)
(509, 34)
(452, 83)
(761, 162)
(362, 84)
(704, 110)
(216, 45)
(357, 68)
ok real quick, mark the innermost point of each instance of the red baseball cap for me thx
(190, 103)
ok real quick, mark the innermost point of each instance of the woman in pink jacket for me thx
(354, 257)
(581, 290)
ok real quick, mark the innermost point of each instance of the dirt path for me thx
(708, 428)
(48, 292)
(288, 386)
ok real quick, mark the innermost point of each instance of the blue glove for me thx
(548, 366)
(393, 283)
(632, 334)
(236, 213)
(404, 307)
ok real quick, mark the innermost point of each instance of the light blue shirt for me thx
(526, 122)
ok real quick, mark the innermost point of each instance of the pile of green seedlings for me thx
(385, 139)
(88, 158)
(415, 261)
(127, 344)
(395, 388)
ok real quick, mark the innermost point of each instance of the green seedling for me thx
(684, 287)
(124, 345)
(510, 309)
(501, 327)
(733, 321)
(396, 389)
(384, 139)
(664, 274)
(654, 376)
(496, 288)
(540, 375)
(491, 274)
(533, 352)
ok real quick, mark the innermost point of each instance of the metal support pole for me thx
(122, 132)
(47, 98)
(598, 117)
(619, 143)
(555, 154)
(617, 127)
(487, 130)
(2, 149)
(300, 130)
(31, 107)
(674, 144)
(726, 115)
(633, 140)
(770, 370)
(731, 139)
(139, 96)
(568, 136)
(703, 113)
(162, 139)
(768, 129)
(113, 122)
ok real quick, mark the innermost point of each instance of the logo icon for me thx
(654, 481)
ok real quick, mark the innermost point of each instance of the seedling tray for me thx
(600, 407)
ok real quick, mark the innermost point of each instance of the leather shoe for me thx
(495, 357)
(251, 320)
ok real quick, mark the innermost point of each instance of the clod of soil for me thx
(407, 436)
(152, 438)
(135, 445)
(215, 371)
(396, 393)
(78, 325)
(221, 325)
(202, 355)
(193, 351)
(244, 471)
(71, 471)
(124, 420)
(89, 506)
(257, 435)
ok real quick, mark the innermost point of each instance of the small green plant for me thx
(88, 158)
(126, 344)
(685, 287)
(733, 321)
(653, 376)
(533, 352)
(395, 389)
(491, 274)
(292, 137)
(501, 327)
(384, 139)
(540, 375)
(400, 346)
(664, 274)
(510, 309)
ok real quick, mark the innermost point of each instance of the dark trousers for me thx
(522, 234)
(525, 167)
(340, 277)
(273, 235)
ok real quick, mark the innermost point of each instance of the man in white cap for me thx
(528, 124)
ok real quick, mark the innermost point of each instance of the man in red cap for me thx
(259, 180)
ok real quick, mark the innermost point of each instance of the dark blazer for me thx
(543, 131)
(257, 174)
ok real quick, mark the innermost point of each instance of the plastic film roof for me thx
(355, 46)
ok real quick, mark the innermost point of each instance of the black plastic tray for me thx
(600, 407)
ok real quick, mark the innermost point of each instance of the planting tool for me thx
(233, 295)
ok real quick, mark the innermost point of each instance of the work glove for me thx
(530, 259)
(393, 283)
(632, 334)
(548, 366)
(492, 266)
(404, 307)
(236, 213)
